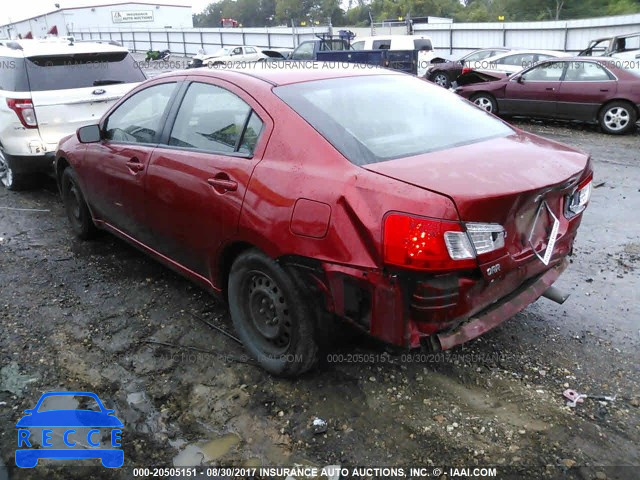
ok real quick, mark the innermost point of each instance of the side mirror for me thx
(520, 79)
(89, 134)
(462, 62)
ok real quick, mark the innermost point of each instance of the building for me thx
(64, 21)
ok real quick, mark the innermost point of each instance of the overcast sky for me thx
(12, 10)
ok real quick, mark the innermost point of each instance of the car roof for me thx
(283, 72)
(37, 47)
(520, 52)
(625, 35)
(392, 37)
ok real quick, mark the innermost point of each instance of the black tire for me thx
(617, 118)
(272, 315)
(441, 78)
(486, 101)
(9, 179)
(76, 207)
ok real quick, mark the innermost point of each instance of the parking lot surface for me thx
(100, 316)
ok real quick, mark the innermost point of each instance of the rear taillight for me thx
(437, 245)
(24, 110)
(426, 244)
(578, 200)
(466, 70)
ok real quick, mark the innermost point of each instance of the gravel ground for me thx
(100, 316)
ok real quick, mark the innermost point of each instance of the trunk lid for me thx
(504, 181)
(62, 112)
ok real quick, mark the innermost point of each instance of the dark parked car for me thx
(295, 197)
(443, 71)
(604, 91)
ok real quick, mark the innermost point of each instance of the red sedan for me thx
(604, 91)
(300, 195)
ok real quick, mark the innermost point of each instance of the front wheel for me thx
(617, 118)
(75, 205)
(271, 314)
(486, 102)
(441, 79)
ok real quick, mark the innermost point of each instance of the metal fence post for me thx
(450, 39)
(133, 36)
(150, 41)
(168, 42)
(566, 35)
(504, 36)
(184, 43)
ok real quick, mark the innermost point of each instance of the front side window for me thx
(473, 57)
(421, 44)
(250, 50)
(138, 119)
(358, 45)
(365, 132)
(522, 60)
(215, 120)
(303, 52)
(546, 72)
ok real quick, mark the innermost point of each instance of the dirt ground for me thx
(100, 316)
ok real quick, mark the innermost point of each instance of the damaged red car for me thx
(304, 195)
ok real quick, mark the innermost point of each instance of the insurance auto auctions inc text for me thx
(379, 472)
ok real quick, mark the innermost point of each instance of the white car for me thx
(422, 44)
(227, 55)
(48, 89)
(512, 61)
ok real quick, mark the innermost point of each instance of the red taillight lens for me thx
(466, 70)
(24, 110)
(419, 243)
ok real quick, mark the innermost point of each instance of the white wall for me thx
(569, 35)
(101, 18)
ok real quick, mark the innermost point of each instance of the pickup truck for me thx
(338, 50)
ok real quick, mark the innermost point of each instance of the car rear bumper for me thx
(21, 164)
(437, 311)
(502, 310)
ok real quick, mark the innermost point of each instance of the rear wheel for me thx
(75, 205)
(442, 79)
(9, 178)
(486, 101)
(272, 315)
(618, 118)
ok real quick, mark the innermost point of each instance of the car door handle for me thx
(135, 165)
(550, 88)
(604, 89)
(223, 184)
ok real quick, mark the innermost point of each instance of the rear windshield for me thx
(61, 72)
(422, 44)
(13, 76)
(371, 119)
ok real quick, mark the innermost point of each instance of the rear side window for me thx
(382, 44)
(61, 72)
(367, 132)
(138, 119)
(357, 45)
(13, 76)
(215, 120)
(422, 44)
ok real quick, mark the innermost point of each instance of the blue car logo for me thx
(70, 425)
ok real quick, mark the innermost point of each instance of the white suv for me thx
(50, 88)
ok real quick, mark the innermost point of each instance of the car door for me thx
(197, 178)
(534, 92)
(114, 168)
(251, 54)
(586, 85)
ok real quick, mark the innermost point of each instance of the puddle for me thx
(11, 380)
(204, 452)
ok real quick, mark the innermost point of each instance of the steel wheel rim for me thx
(441, 79)
(267, 311)
(617, 118)
(484, 103)
(6, 175)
